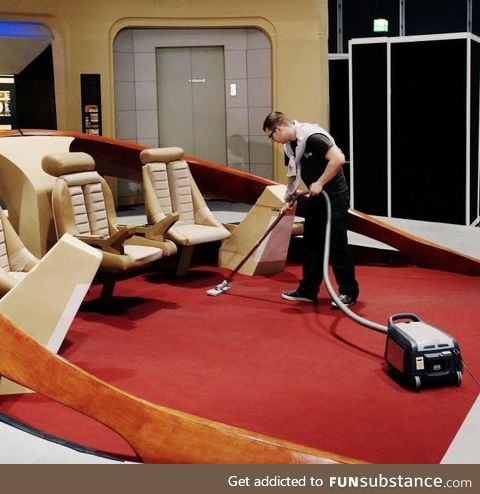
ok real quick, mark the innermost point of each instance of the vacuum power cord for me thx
(457, 354)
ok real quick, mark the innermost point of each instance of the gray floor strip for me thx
(465, 447)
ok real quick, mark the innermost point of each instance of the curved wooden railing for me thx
(157, 434)
(120, 159)
(419, 251)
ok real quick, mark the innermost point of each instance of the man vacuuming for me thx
(312, 156)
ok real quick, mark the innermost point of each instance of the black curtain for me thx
(35, 94)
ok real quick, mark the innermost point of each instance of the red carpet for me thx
(295, 371)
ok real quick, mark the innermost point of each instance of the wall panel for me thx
(369, 127)
(474, 131)
(415, 127)
(428, 122)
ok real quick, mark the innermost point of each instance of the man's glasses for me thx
(271, 133)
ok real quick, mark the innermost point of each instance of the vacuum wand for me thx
(225, 285)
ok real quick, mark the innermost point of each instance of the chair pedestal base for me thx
(184, 260)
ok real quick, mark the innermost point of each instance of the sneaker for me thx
(346, 300)
(299, 295)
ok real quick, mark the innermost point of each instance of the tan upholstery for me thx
(45, 301)
(15, 259)
(271, 254)
(83, 206)
(169, 187)
(26, 188)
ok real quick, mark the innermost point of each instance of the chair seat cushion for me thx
(142, 254)
(196, 234)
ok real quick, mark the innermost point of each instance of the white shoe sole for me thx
(298, 299)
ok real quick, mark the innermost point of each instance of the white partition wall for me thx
(414, 127)
(369, 125)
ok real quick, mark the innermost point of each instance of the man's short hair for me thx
(275, 118)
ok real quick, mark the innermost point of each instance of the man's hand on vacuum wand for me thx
(315, 189)
(287, 206)
(292, 199)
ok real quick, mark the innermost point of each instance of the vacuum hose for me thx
(360, 320)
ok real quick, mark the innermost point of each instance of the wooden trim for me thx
(419, 251)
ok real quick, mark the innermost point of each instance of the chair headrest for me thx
(59, 164)
(162, 155)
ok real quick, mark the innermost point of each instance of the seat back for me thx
(81, 200)
(155, 179)
(180, 182)
(170, 187)
(87, 202)
(167, 185)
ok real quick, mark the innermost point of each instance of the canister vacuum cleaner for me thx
(416, 352)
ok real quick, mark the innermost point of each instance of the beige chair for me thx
(168, 187)
(15, 259)
(82, 205)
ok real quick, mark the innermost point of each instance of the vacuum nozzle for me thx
(224, 286)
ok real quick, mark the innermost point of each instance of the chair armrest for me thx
(158, 230)
(230, 226)
(112, 244)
